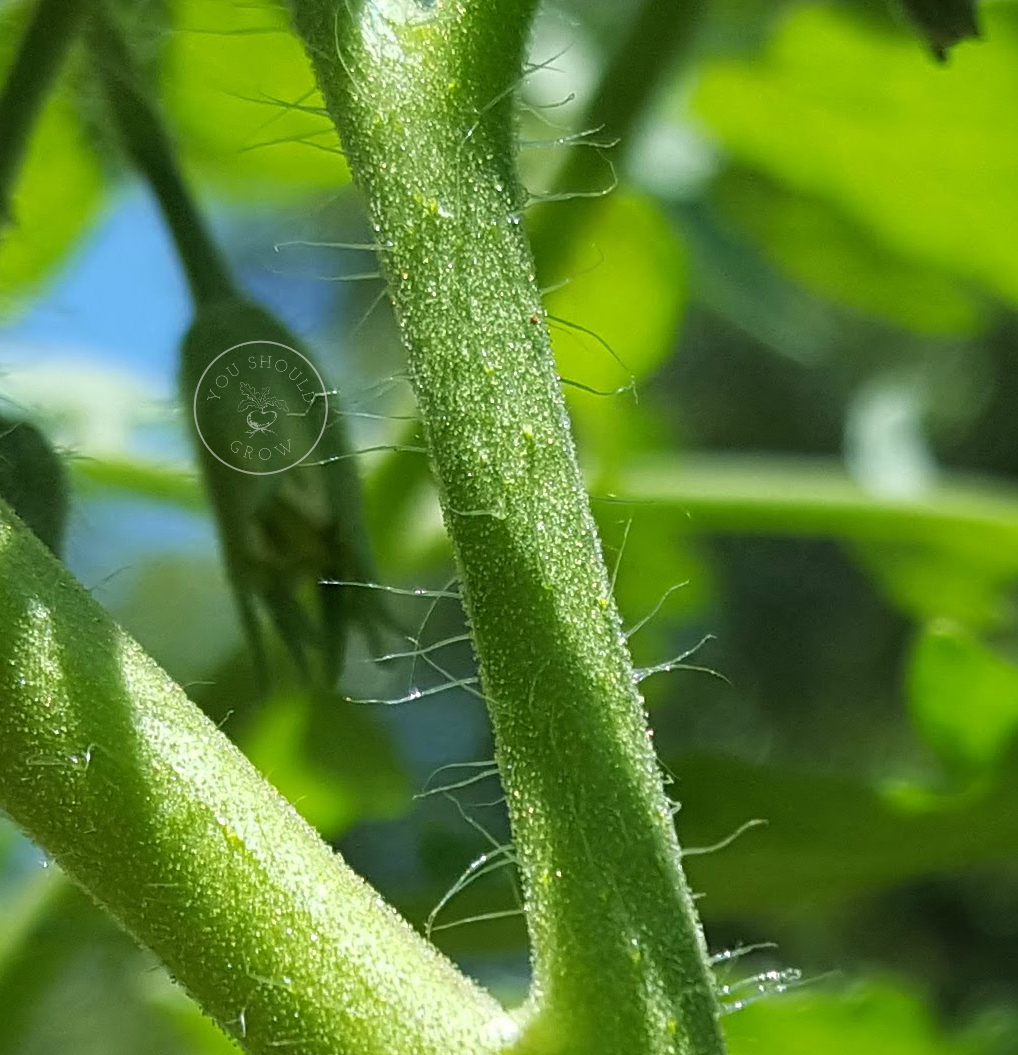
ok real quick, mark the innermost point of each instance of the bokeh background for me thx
(790, 338)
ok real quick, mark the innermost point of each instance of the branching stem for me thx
(423, 99)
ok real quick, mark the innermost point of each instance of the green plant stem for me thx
(35, 67)
(150, 480)
(147, 144)
(965, 515)
(110, 768)
(658, 39)
(423, 99)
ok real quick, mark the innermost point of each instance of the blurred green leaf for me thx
(198, 1034)
(241, 94)
(628, 287)
(929, 582)
(13, 20)
(178, 608)
(659, 577)
(30, 953)
(873, 1018)
(963, 696)
(617, 319)
(13, 17)
(732, 278)
(826, 838)
(21, 913)
(329, 758)
(843, 109)
(70, 979)
(404, 520)
(814, 244)
(56, 195)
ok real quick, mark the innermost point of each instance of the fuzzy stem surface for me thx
(423, 98)
(108, 766)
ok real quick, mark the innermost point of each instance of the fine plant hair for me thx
(149, 807)
(619, 960)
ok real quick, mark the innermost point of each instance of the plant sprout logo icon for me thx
(277, 391)
(260, 402)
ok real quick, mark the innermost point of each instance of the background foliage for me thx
(809, 269)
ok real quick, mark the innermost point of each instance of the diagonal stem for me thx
(110, 768)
